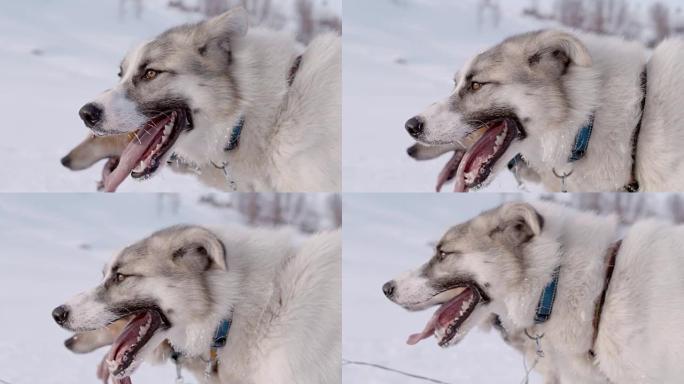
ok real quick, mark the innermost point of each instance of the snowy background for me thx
(56, 55)
(55, 245)
(399, 56)
(387, 234)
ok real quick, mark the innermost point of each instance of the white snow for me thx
(385, 235)
(54, 246)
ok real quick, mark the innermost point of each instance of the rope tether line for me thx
(379, 366)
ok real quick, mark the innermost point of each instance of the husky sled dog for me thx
(218, 96)
(249, 303)
(586, 113)
(610, 310)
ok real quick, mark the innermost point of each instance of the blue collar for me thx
(582, 140)
(219, 341)
(546, 299)
(221, 333)
(235, 135)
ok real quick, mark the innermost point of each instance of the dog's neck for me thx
(610, 91)
(577, 242)
(262, 62)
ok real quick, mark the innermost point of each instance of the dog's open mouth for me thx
(122, 358)
(471, 168)
(148, 145)
(460, 302)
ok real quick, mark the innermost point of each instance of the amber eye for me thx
(441, 255)
(120, 277)
(150, 74)
(475, 86)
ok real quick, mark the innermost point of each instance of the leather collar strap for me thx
(293, 70)
(548, 296)
(579, 149)
(219, 341)
(235, 133)
(633, 185)
(611, 257)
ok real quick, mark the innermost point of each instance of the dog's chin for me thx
(143, 333)
(474, 168)
(452, 320)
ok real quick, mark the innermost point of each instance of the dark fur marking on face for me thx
(155, 107)
(444, 284)
(534, 59)
(126, 308)
(475, 119)
(178, 253)
(202, 50)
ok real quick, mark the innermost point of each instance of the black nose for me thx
(388, 289)
(414, 126)
(60, 314)
(91, 114)
(66, 161)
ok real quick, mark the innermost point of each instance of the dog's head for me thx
(167, 89)
(164, 284)
(474, 266)
(517, 88)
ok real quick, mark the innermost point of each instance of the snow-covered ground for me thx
(384, 235)
(54, 246)
(55, 56)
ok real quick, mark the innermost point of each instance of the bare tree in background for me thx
(335, 203)
(660, 17)
(675, 206)
(491, 8)
(168, 202)
(137, 8)
(571, 13)
(309, 21)
(212, 8)
(305, 16)
(309, 213)
(629, 207)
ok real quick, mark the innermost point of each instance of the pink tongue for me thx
(128, 337)
(428, 331)
(482, 148)
(131, 156)
(450, 310)
(449, 169)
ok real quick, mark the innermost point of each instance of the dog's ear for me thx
(519, 223)
(219, 30)
(554, 51)
(201, 250)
